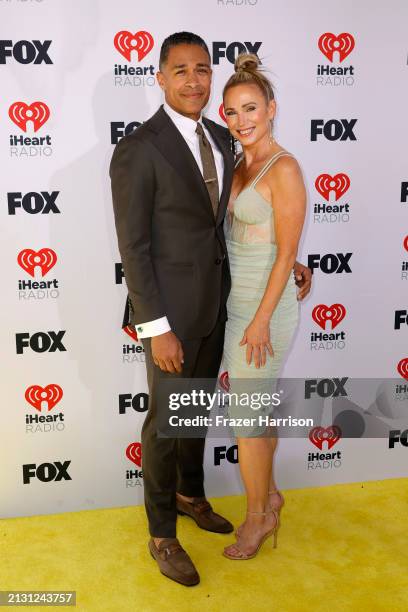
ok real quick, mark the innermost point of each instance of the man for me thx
(171, 181)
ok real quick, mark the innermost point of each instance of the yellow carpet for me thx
(340, 548)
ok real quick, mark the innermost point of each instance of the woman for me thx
(263, 226)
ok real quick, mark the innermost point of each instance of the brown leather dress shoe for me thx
(174, 562)
(201, 511)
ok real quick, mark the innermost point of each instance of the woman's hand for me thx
(257, 338)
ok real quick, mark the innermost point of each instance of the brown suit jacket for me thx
(173, 250)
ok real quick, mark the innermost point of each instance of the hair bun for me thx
(246, 62)
(248, 71)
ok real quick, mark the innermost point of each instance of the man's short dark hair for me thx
(180, 38)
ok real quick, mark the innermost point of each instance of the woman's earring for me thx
(271, 138)
(237, 147)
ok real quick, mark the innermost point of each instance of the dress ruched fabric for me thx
(250, 236)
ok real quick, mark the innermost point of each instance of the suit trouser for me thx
(171, 464)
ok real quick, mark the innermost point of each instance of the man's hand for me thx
(167, 352)
(303, 279)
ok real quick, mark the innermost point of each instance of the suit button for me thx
(218, 261)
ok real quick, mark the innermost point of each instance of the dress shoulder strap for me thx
(269, 164)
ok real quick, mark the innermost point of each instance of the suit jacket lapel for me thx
(176, 151)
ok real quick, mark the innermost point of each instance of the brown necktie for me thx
(209, 169)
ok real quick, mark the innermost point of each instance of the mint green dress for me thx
(250, 237)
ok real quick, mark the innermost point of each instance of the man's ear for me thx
(160, 79)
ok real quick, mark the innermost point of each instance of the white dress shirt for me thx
(187, 128)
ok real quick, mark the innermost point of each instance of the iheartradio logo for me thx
(29, 260)
(406, 243)
(222, 113)
(224, 381)
(37, 112)
(334, 313)
(339, 184)
(343, 43)
(402, 368)
(130, 331)
(125, 42)
(319, 435)
(36, 395)
(134, 453)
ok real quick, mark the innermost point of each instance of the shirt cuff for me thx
(153, 328)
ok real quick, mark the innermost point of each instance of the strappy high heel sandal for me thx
(282, 500)
(274, 491)
(274, 531)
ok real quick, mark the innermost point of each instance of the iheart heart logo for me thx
(319, 435)
(37, 112)
(224, 381)
(343, 44)
(130, 331)
(334, 313)
(51, 394)
(339, 183)
(402, 368)
(134, 453)
(126, 42)
(406, 243)
(221, 112)
(45, 259)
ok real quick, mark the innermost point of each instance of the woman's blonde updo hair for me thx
(247, 71)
